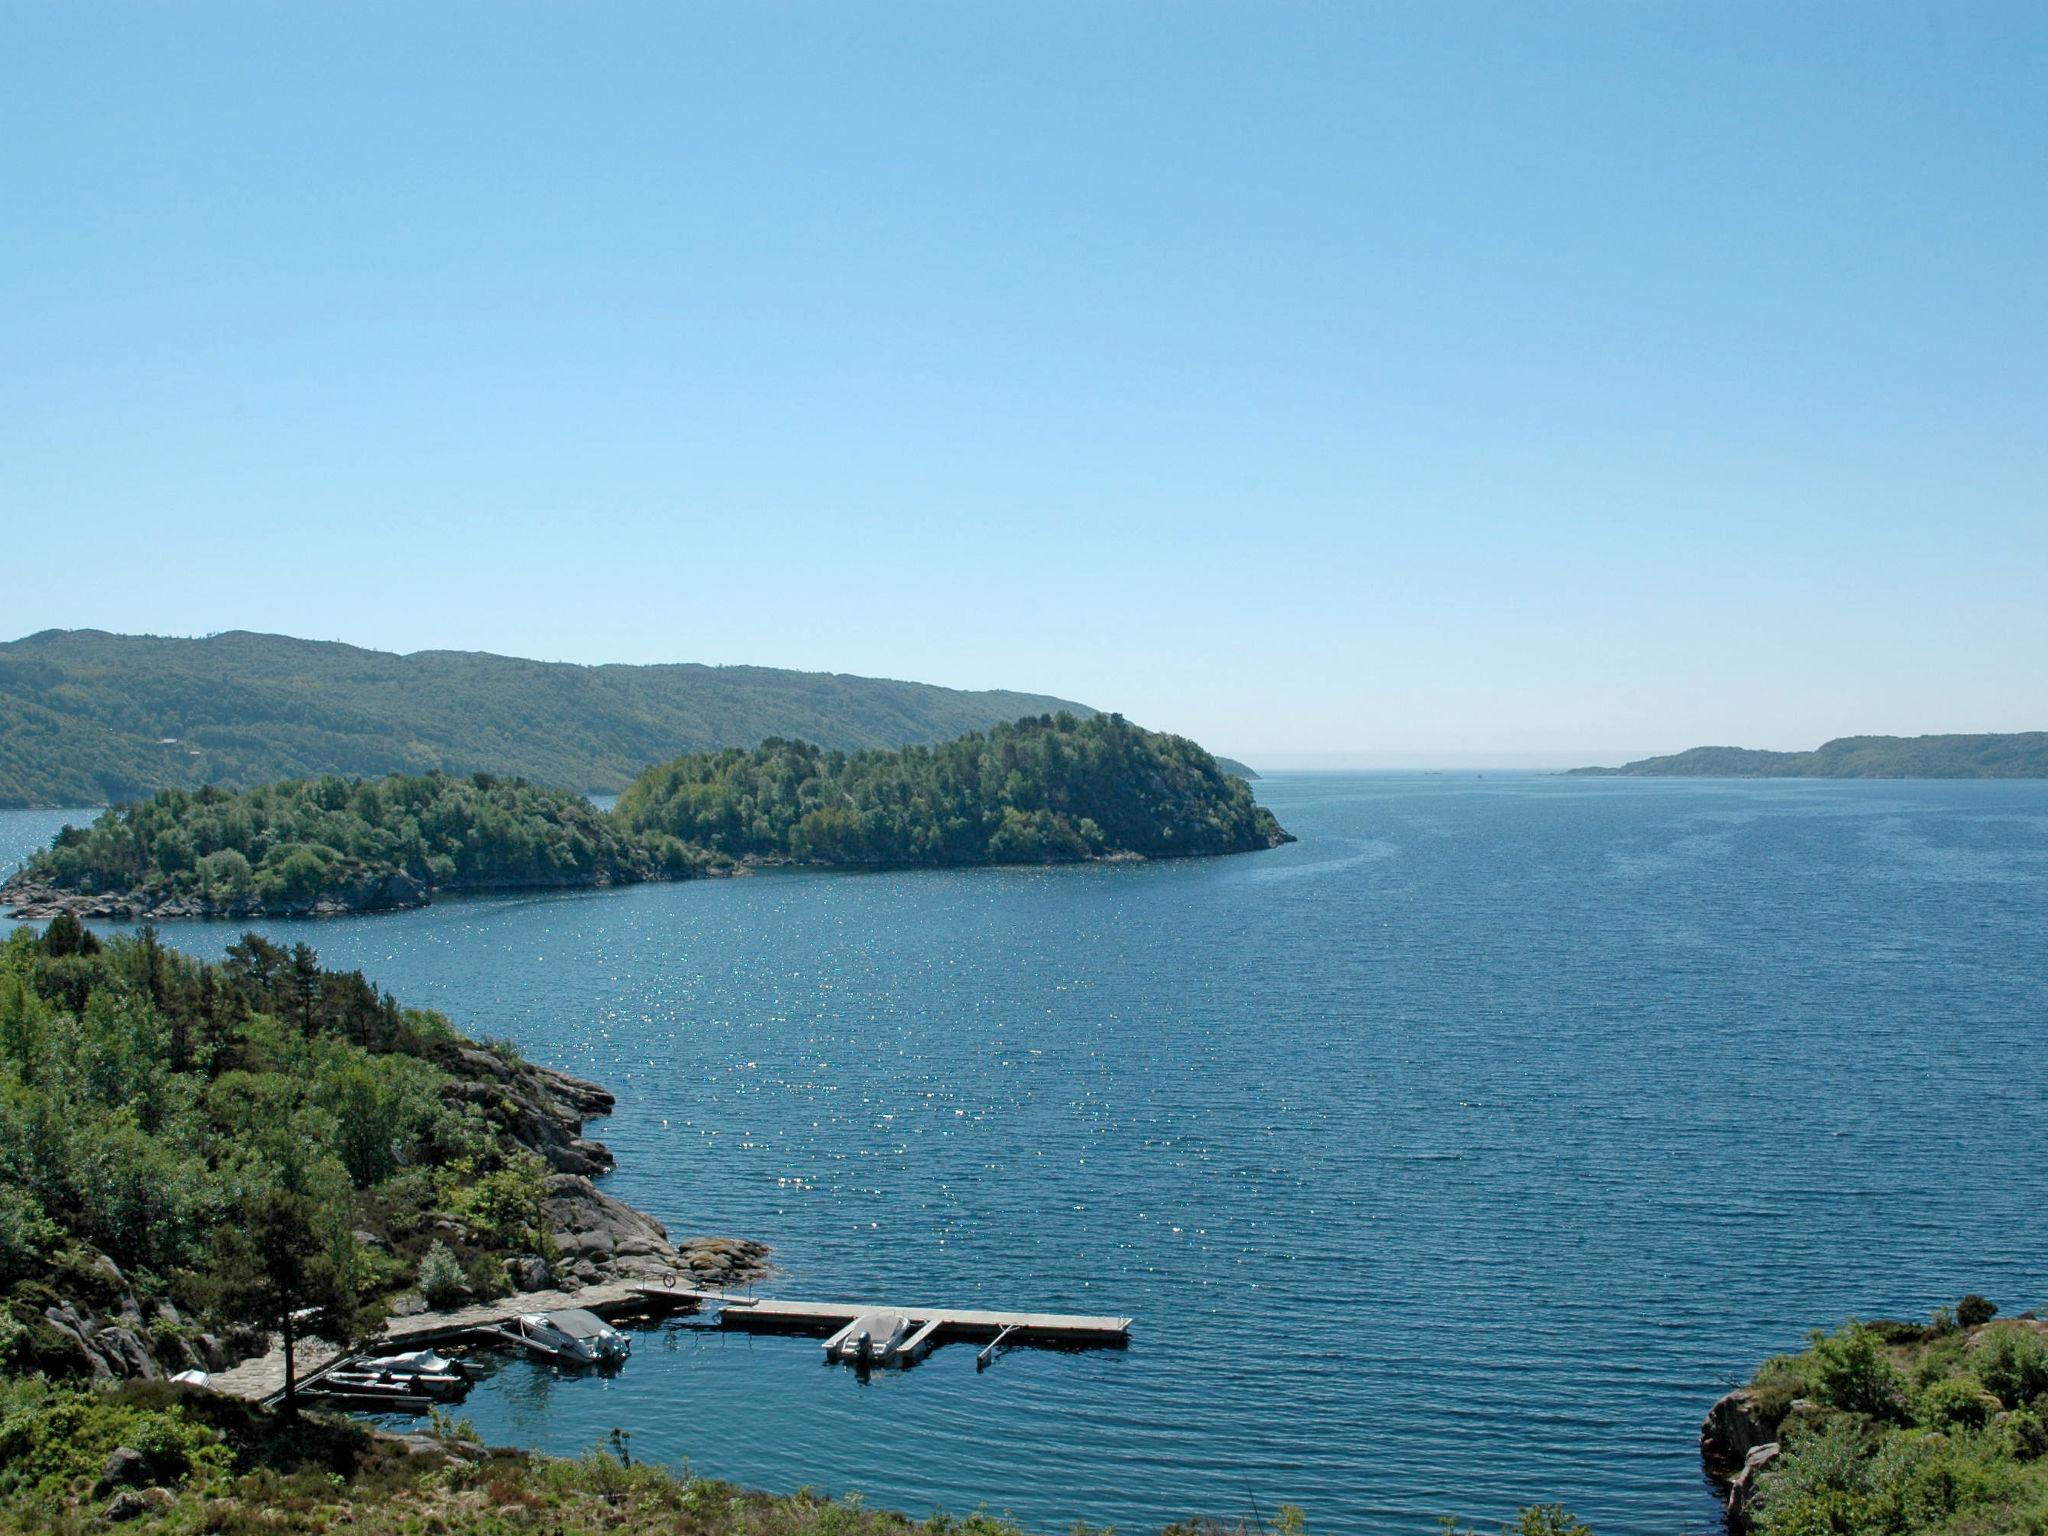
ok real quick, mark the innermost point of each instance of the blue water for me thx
(1452, 1158)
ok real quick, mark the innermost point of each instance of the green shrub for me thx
(54, 1440)
(225, 875)
(26, 1234)
(1549, 1520)
(2012, 1362)
(1973, 1311)
(1851, 1371)
(1955, 1402)
(2023, 1434)
(504, 1207)
(293, 872)
(442, 1279)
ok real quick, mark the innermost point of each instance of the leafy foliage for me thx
(442, 1280)
(1909, 1430)
(88, 718)
(241, 1472)
(286, 846)
(54, 1440)
(1049, 789)
(221, 1132)
(1974, 1311)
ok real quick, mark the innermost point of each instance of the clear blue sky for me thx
(1333, 383)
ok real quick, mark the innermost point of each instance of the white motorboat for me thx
(416, 1362)
(870, 1338)
(575, 1335)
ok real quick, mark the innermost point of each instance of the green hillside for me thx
(88, 717)
(2017, 755)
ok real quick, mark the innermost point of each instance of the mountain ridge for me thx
(91, 717)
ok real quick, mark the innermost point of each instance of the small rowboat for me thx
(870, 1338)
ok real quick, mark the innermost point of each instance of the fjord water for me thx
(1454, 1157)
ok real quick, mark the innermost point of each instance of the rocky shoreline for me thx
(597, 1238)
(34, 902)
(28, 900)
(112, 1332)
(1738, 1443)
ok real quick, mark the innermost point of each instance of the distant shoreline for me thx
(2013, 755)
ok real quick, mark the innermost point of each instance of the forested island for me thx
(2015, 755)
(1049, 789)
(90, 718)
(1053, 789)
(1891, 1429)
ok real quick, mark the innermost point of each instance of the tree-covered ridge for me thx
(1898, 1429)
(1048, 789)
(89, 718)
(2014, 755)
(191, 1148)
(382, 843)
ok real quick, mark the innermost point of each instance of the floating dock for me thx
(931, 1326)
(262, 1379)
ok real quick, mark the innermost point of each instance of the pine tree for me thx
(290, 1260)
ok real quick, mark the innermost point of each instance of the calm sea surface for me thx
(1452, 1158)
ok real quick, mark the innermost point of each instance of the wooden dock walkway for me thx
(262, 1379)
(763, 1314)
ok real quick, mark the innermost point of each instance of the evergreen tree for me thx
(289, 1260)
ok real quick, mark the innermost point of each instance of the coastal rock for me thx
(125, 1505)
(126, 1355)
(33, 902)
(541, 1109)
(1733, 1427)
(126, 1468)
(530, 1272)
(1742, 1488)
(719, 1262)
(591, 1228)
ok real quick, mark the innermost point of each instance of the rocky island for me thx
(1050, 789)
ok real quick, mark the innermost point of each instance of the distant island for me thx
(90, 718)
(1047, 789)
(2016, 755)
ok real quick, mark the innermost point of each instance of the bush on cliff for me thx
(1911, 1430)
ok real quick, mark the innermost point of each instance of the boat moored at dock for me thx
(570, 1336)
(873, 1338)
